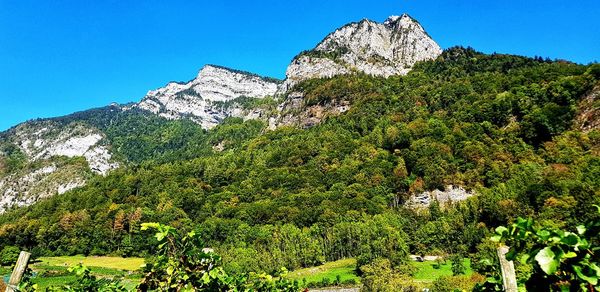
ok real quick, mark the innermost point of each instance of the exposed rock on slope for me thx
(49, 178)
(452, 194)
(201, 99)
(293, 111)
(57, 158)
(381, 49)
(46, 139)
(588, 113)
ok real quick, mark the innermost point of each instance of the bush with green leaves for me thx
(562, 260)
(90, 283)
(9, 255)
(182, 263)
(458, 264)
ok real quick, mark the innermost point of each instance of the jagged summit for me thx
(381, 49)
(395, 21)
(220, 67)
(199, 98)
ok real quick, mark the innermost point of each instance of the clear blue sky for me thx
(57, 57)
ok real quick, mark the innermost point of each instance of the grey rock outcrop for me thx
(451, 194)
(202, 98)
(380, 49)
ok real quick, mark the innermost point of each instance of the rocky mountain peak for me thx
(380, 49)
(395, 21)
(199, 99)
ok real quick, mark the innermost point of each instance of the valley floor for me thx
(53, 271)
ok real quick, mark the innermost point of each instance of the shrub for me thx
(9, 255)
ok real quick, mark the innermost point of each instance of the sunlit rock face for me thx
(380, 49)
(57, 158)
(202, 98)
(452, 194)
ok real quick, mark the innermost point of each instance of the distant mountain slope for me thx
(48, 156)
(498, 131)
(44, 157)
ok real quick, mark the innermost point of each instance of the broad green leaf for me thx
(581, 229)
(570, 239)
(587, 274)
(146, 226)
(496, 238)
(570, 255)
(160, 236)
(500, 230)
(545, 258)
(512, 254)
(543, 234)
(525, 258)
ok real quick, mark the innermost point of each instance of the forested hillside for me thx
(505, 127)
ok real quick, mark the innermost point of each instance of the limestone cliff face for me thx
(380, 49)
(58, 158)
(202, 98)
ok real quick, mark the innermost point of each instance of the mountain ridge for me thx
(216, 94)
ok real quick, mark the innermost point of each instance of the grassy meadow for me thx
(53, 271)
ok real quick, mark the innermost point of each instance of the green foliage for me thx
(562, 260)
(11, 158)
(458, 267)
(9, 255)
(182, 264)
(381, 276)
(138, 137)
(85, 281)
(456, 283)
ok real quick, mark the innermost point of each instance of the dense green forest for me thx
(503, 126)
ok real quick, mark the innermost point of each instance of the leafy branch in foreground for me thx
(183, 264)
(561, 260)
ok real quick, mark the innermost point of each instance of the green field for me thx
(427, 272)
(118, 263)
(344, 268)
(52, 271)
(424, 271)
